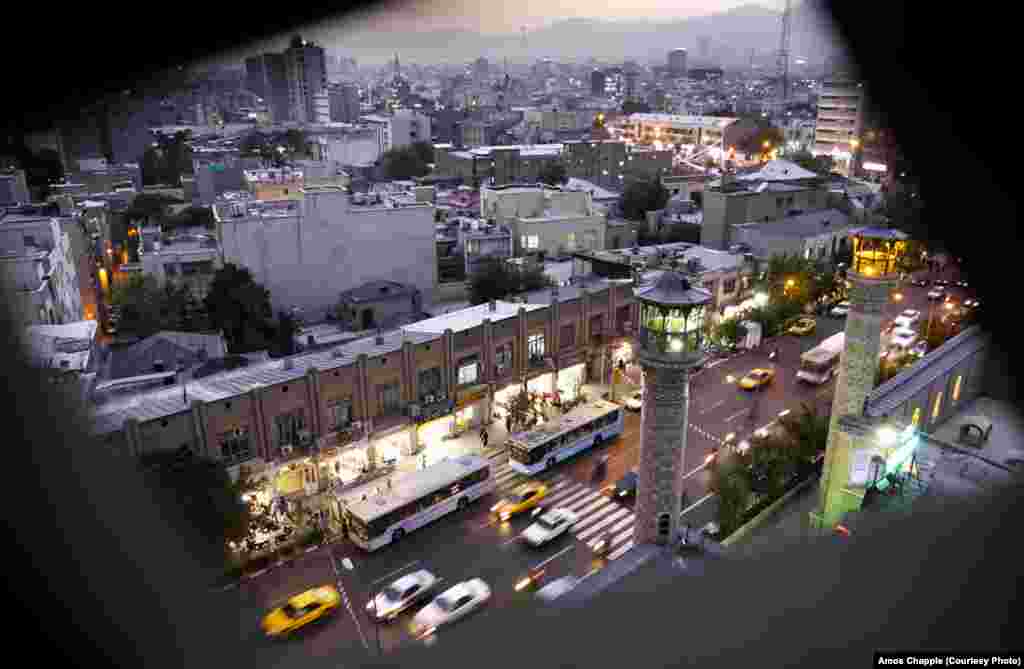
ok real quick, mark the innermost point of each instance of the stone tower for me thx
(668, 346)
(873, 277)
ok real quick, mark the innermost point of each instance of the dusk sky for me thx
(509, 17)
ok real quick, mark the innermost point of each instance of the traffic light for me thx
(664, 525)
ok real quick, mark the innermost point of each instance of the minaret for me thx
(876, 252)
(668, 346)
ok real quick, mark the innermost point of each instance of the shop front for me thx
(389, 445)
(571, 378)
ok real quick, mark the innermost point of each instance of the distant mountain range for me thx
(732, 34)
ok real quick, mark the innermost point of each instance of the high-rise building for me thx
(344, 99)
(840, 121)
(677, 62)
(597, 82)
(704, 47)
(631, 77)
(265, 76)
(306, 71)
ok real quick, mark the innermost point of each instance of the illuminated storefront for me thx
(569, 381)
(391, 444)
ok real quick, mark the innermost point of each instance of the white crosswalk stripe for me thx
(617, 516)
(567, 499)
(601, 501)
(616, 510)
(616, 528)
(579, 504)
(505, 476)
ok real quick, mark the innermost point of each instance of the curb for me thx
(277, 565)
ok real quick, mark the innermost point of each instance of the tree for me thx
(424, 151)
(200, 494)
(728, 332)
(140, 299)
(239, 306)
(495, 279)
(641, 197)
(523, 409)
(285, 333)
(150, 208)
(731, 482)
(404, 162)
(808, 431)
(192, 217)
(554, 173)
(754, 143)
(295, 142)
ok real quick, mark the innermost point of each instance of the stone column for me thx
(858, 372)
(663, 444)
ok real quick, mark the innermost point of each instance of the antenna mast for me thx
(783, 60)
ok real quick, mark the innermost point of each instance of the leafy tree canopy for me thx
(404, 162)
(641, 197)
(554, 173)
(147, 307)
(239, 306)
(822, 165)
(495, 279)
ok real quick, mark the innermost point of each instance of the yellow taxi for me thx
(524, 500)
(301, 610)
(757, 378)
(803, 326)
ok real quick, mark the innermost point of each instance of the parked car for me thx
(922, 282)
(402, 595)
(936, 294)
(962, 283)
(971, 303)
(903, 338)
(913, 315)
(452, 604)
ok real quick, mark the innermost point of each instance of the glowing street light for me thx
(897, 296)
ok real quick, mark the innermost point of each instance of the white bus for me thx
(565, 436)
(416, 499)
(821, 363)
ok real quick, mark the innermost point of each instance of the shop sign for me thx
(470, 396)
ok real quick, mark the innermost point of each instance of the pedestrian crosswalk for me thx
(598, 513)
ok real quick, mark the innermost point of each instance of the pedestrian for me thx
(508, 423)
(389, 484)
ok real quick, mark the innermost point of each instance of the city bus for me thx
(821, 363)
(416, 499)
(565, 436)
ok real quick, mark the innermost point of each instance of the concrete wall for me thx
(308, 260)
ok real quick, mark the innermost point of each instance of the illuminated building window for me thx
(917, 417)
(956, 388)
(937, 406)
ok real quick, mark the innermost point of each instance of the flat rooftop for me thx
(467, 319)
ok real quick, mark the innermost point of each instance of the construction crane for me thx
(783, 56)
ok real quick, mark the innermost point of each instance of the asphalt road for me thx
(471, 544)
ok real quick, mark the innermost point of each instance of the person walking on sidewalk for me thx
(508, 423)
(484, 437)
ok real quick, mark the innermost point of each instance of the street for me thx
(471, 543)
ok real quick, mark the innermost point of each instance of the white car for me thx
(635, 402)
(402, 595)
(936, 294)
(903, 338)
(454, 603)
(911, 315)
(549, 526)
(840, 309)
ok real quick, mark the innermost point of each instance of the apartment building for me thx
(187, 257)
(841, 106)
(306, 73)
(402, 128)
(297, 423)
(344, 145)
(344, 102)
(266, 77)
(13, 187)
(816, 235)
(771, 193)
(545, 220)
(665, 130)
(306, 251)
(39, 268)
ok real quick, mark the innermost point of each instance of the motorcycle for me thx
(603, 546)
(530, 580)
